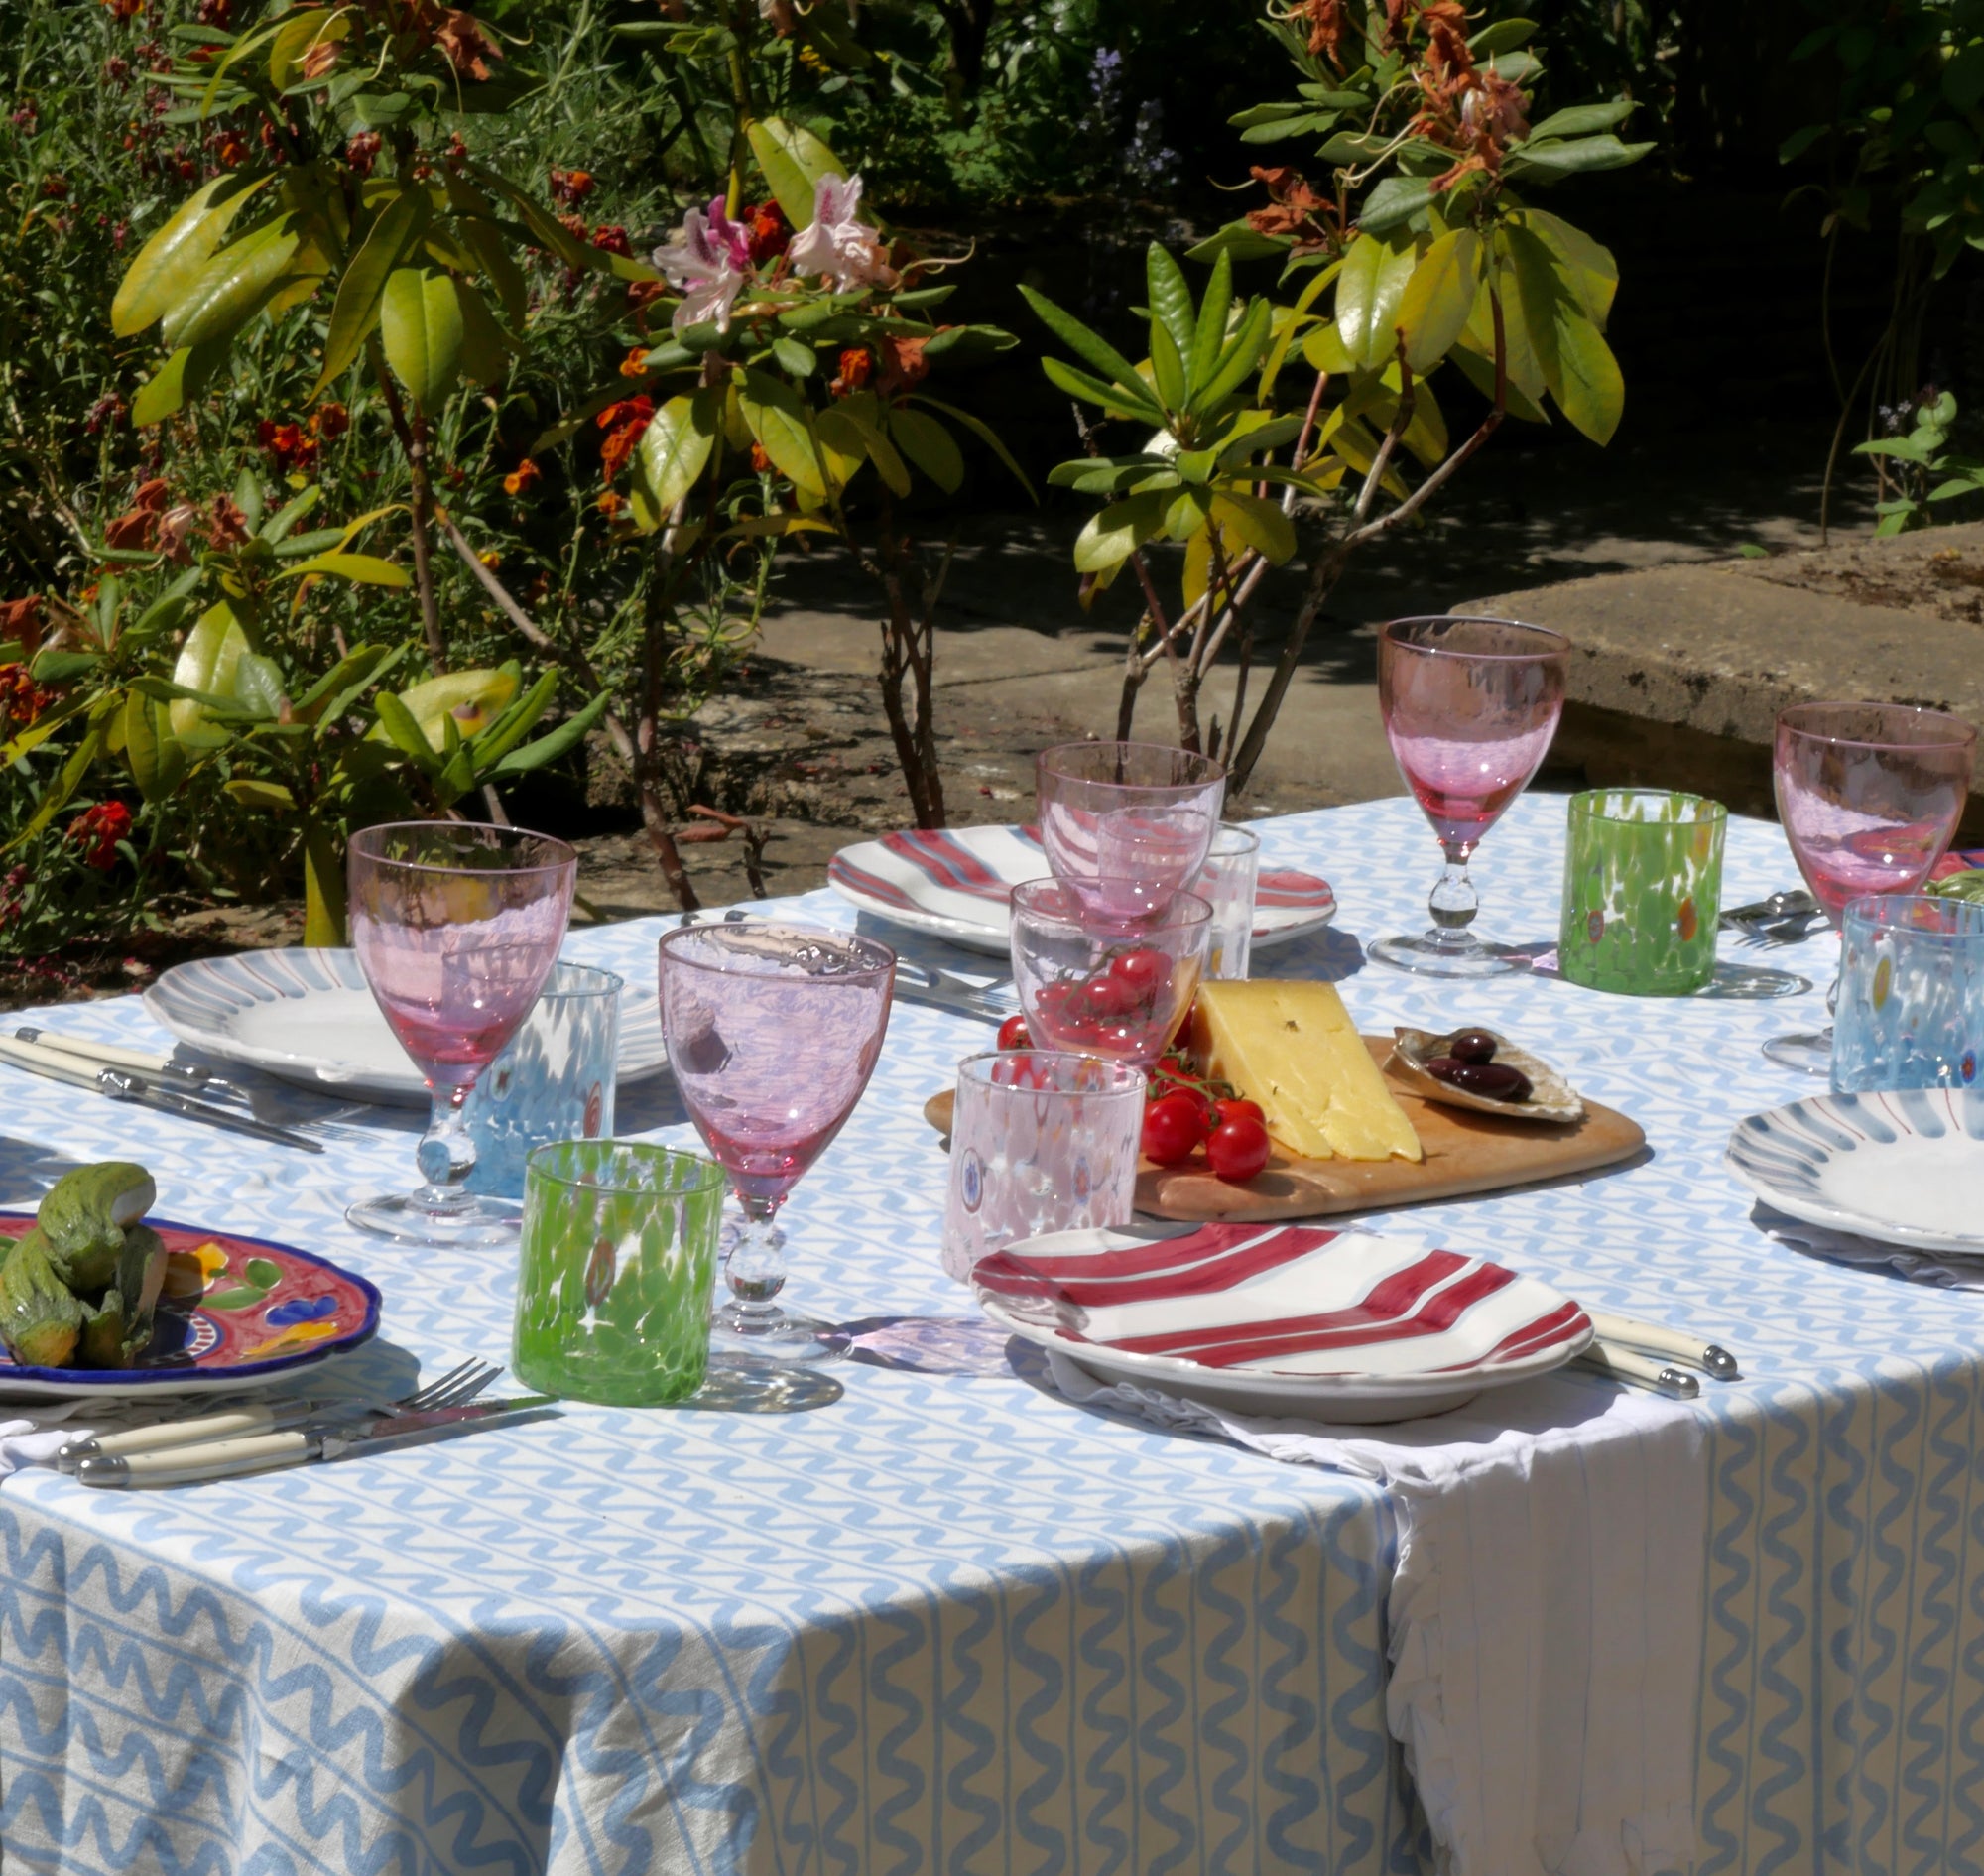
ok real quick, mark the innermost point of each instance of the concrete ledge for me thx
(1678, 672)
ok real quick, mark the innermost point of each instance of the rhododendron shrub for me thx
(1411, 242)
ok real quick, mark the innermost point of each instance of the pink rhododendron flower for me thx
(835, 243)
(706, 262)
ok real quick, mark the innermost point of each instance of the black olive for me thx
(1495, 1080)
(1472, 1044)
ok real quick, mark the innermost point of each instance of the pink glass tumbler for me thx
(456, 927)
(1126, 825)
(1869, 796)
(1470, 707)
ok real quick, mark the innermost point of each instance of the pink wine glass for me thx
(456, 927)
(1869, 794)
(772, 1031)
(1470, 707)
(1127, 824)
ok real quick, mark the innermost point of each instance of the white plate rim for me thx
(316, 1073)
(1813, 1209)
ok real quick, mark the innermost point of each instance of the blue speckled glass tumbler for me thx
(1911, 1008)
(554, 1082)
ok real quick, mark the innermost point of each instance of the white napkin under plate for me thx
(1948, 1270)
(1545, 1614)
(32, 1433)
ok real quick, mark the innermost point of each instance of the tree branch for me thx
(640, 762)
(413, 441)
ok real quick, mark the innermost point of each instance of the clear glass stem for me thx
(754, 1266)
(1453, 902)
(447, 1155)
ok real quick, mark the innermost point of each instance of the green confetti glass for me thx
(619, 1265)
(1642, 891)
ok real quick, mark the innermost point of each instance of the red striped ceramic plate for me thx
(954, 884)
(1283, 1318)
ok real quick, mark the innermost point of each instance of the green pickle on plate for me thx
(81, 1286)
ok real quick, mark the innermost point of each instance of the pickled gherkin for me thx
(41, 1320)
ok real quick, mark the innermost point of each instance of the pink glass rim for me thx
(1211, 770)
(361, 845)
(1964, 734)
(1182, 908)
(877, 959)
(1557, 647)
(1123, 1076)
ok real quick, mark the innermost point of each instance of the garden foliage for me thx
(392, 396)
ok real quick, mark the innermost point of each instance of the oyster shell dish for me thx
(1551, 1098)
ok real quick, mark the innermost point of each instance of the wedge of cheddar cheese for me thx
(1293, 1047)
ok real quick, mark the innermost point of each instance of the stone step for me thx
(1678, 671)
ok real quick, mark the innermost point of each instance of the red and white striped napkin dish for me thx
(1316, 1321)
(955, 883)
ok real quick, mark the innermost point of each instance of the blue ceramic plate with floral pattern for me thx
(237, 1314)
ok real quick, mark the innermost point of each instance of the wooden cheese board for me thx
(1466, 1153)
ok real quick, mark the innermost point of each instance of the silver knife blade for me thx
(957, 1004)
(411, 1430)
(125, 1088)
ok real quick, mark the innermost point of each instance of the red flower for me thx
(288, 444)
(55, 187)
(525, 475)
(771, 233)
(611, 238)
(571, 187)
(331, 422)
(362, 151)
(216, 13)
(97, 830)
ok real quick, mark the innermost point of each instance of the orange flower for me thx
(464, 44)
(331, 422)
(611, 238)
(611, 503)
(526, 475)
(857, 368)
(635, 364)
(760, 461)
(226, 526)
(571, 187)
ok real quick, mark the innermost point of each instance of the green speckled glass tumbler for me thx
(1642, 891)
(619, 1265)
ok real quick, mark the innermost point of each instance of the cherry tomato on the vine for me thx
(1239, 1149)
(1146, 971)
(1230, 1109)
(1172, 1129)
(1013, 1033)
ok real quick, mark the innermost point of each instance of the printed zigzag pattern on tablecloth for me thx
(954, 1625)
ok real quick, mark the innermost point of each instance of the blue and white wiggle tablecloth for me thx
(953, 1622)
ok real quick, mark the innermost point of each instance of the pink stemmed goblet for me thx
(456, 927)
(1127, 824)
(773, 1032)
(1869, 794)
(1470, 707)
(1105, 986)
